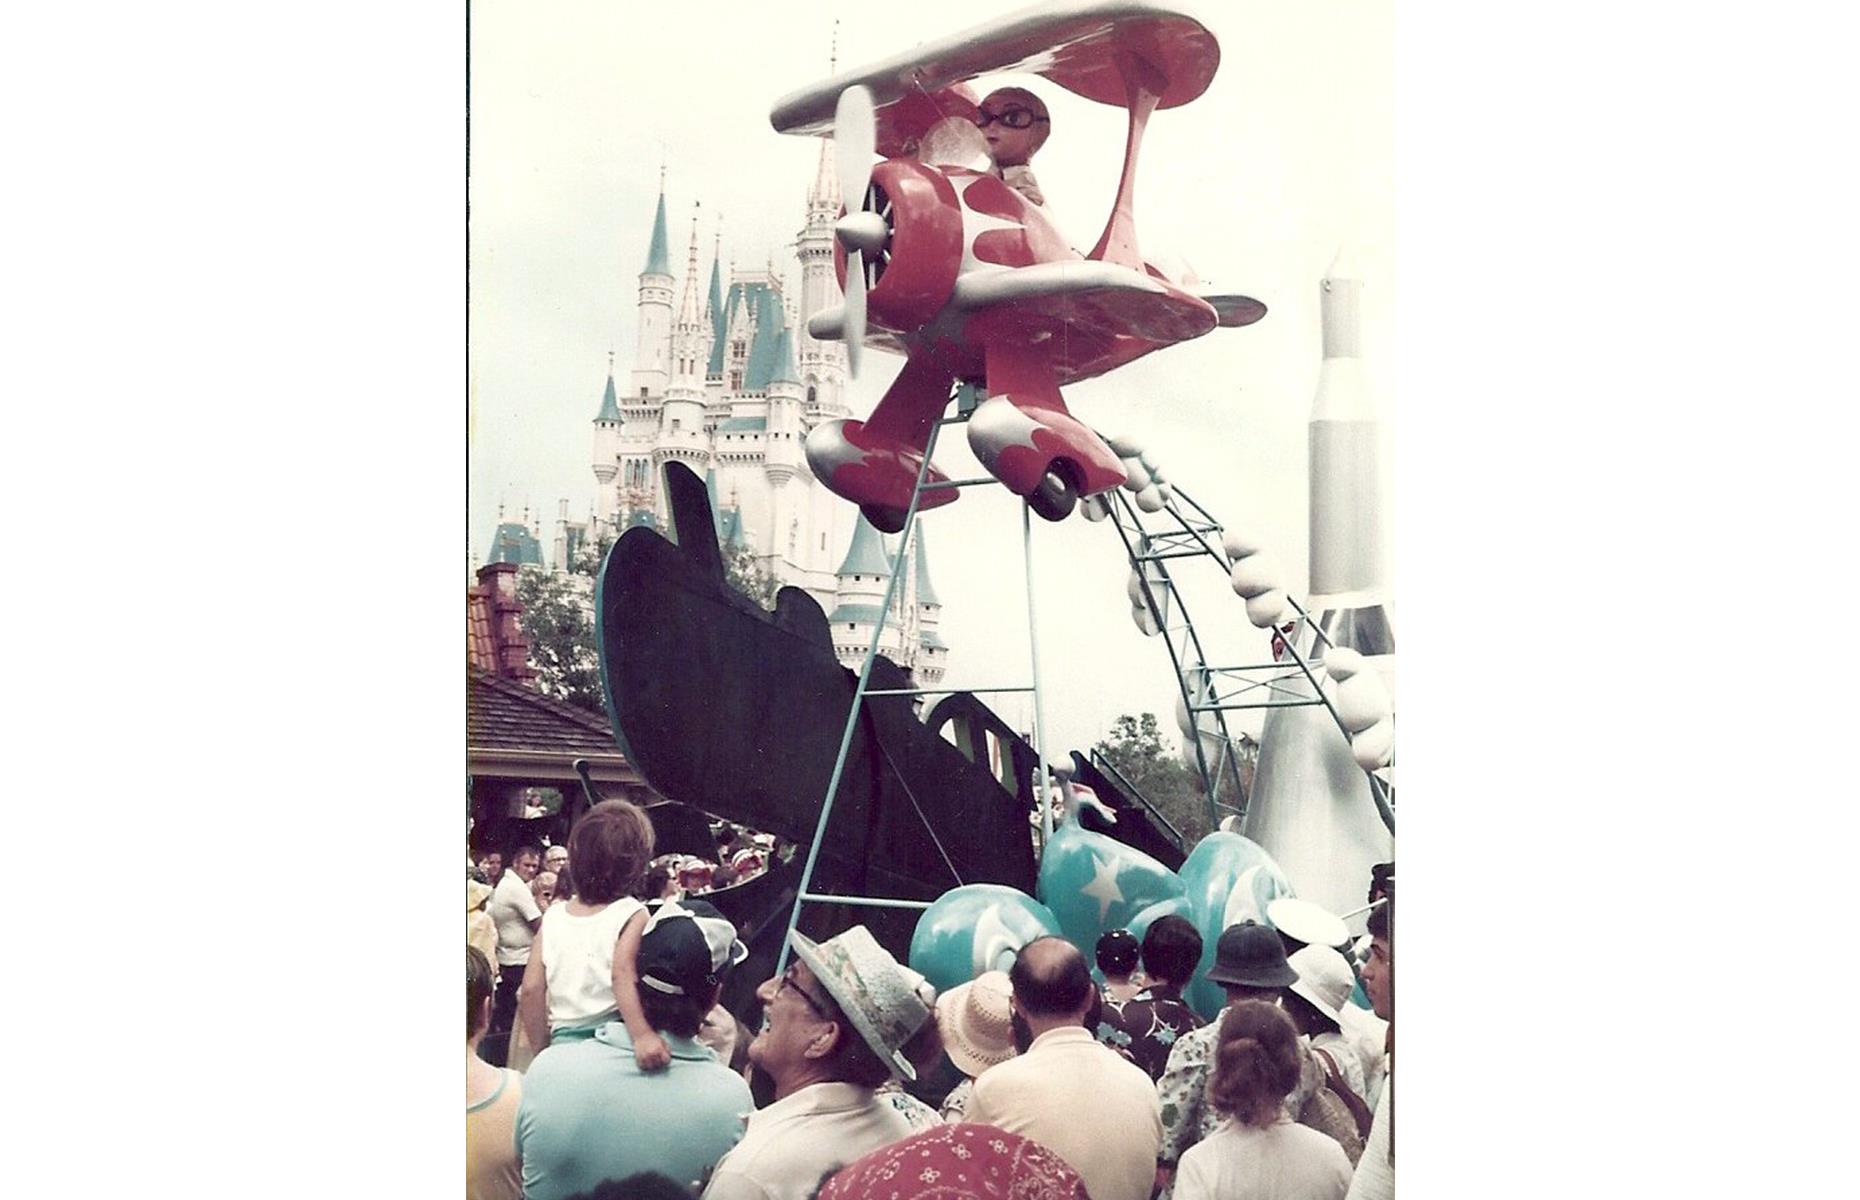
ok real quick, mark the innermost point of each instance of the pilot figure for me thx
(1015, 125)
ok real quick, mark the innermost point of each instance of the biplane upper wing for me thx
(1074, 43)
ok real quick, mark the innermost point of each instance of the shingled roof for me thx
(503, 715)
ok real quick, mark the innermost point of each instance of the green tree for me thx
(558, 621)
(742, 571)
(1135, 746)
(558, 616)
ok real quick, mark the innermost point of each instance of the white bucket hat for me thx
(1324, 979)
(1306, 922)
(887, 1003)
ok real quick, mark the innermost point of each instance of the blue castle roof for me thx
(512, 543)
(925, 593)
(658, 261)
(866, 555)
(760, 368)
(715, 369)
(784, 359)
(610, 403)
(731, 534)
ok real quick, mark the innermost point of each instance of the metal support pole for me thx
(1033, 646)
(864, 902)
(858, 700)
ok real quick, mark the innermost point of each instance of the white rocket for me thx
(1311, 805)
(1347, 558)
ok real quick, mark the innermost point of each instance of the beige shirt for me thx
(491, 1169)
(1084, 1101)
(789, 1145)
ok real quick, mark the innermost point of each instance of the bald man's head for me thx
(1051, 979)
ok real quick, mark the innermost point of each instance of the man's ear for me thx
(825, 1043)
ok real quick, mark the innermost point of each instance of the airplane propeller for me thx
(861, 231)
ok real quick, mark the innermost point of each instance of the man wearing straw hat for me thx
(841, 1020)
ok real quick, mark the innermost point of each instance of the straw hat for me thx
(977, 1023)
(887, 1003)
(476, 894)
(1323, 978)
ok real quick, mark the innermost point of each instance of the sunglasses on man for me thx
(1013, 118)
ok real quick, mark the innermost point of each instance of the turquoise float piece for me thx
(973, 929)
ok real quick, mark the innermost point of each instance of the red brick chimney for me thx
(510, 650)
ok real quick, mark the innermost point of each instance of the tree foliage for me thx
(1136, 747)
(558, 621)
(558, 616)
(743, 571)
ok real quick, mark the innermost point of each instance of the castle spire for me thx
(826, 190)
(688, 305)
(714, 368)
(925, 593)
(658, 261)
(610, 402)
(714, 306)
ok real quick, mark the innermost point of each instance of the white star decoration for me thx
(1103, 885)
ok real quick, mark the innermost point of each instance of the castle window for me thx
(642, 393)
(810, 393)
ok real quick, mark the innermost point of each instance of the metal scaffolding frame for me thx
(1193, 533)
(804, 894)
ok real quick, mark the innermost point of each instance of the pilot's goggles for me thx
(1013, 118)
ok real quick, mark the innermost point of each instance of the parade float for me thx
(919, 812)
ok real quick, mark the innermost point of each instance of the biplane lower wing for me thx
(1087, 296)
(1076, 44)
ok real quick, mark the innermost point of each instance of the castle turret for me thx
(859, 598)
(692, 333)
(652, 361)
(822, 364)
(682, 436)
(935, 657)
(606, 447)
(785, 432)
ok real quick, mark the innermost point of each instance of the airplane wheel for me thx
(1057, 492)
(883, 518)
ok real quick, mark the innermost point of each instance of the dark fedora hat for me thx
(1251, 955)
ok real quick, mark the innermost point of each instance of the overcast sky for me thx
(1287, 158)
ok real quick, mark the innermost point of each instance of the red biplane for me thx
(944, 263)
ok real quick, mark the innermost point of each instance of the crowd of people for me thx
(1035, 1082)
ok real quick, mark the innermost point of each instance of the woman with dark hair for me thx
(1117, 958)
(1257, 1153)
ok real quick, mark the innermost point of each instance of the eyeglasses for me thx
(787, 981)
(1013, 118)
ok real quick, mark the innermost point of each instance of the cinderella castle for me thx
(727, 381)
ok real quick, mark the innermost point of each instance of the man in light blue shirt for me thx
(590, 1114)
